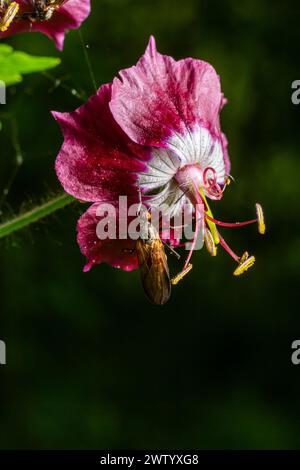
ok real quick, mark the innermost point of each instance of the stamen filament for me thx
(230, 224)
(228, 249)
(199, 221)
(181, 275)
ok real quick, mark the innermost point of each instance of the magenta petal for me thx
(117, 253)
(159, 96)
(97, 161)
(69, 16)
(224, 142)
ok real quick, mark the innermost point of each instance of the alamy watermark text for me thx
(2, 353)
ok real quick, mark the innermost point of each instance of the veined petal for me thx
(171, 198)
(195, 149)
(174, 108)
(159, 97)
(97, 161)
(118, 253)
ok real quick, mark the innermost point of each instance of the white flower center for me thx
(195, 148)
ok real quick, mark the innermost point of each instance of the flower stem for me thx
(35, 214)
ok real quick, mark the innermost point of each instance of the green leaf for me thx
(14, 64)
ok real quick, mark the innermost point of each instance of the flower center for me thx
(192, 177)
(199, 184)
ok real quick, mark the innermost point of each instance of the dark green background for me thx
(90, 363)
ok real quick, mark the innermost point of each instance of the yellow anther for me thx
(260, 219)
(209, 242)
(245, 263)
(9, 15)
(181, 275)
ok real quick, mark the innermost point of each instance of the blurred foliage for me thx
(14, 64)
(90, 363)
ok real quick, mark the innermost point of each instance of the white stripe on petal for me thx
(197, 147)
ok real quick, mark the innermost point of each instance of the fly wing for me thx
(57, 3)
(154, 270)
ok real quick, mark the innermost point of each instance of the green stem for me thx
(35, 214)
(87, 59)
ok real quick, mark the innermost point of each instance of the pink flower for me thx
(155, 129)
(98, 163)
(57, 22)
